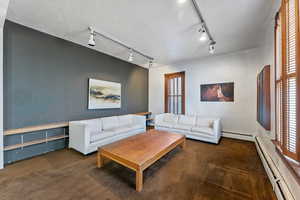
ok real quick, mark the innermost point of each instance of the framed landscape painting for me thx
(104, 94)
(217, 92)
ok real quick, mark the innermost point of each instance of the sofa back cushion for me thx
(93, 124)
(204, 122)
(110, 123)
(187, 120)
(170, 118)
(125, 120)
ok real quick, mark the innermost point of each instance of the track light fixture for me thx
(204, 31)
(203, 36)
(150, 63)
(92, 39)
(130, 58)
(212, 47)
(133, 51)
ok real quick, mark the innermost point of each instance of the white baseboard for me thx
(239, 136)
(280, 187)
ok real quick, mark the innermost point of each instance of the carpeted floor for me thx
(231, 170)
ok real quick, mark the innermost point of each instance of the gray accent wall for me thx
(46, 79)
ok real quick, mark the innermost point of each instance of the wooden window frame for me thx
(173, 75)
(283, 134)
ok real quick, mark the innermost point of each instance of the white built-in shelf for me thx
(30, 143)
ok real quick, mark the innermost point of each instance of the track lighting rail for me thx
(121, 44)
(196, 6)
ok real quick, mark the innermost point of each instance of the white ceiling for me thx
(163, 29)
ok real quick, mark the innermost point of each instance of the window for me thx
(288, 79)
(175, 93)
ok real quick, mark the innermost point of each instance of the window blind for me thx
(287, 67)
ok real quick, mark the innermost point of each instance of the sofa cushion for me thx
(205, 130)
(137, 126)
(166, 124)
(183, 127)
(121, 130)
(109, 123)
(96, 136)
(125, 120)
(203, 122)
(187, 120)
(170, 118)
(93, 124)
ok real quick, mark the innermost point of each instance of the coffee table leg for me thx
(139, 180)
(183, 144)
(100, 160)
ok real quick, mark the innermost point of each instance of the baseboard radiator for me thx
(279, 185)
(239, 136)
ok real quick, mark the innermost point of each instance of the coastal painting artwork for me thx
(217, 92)
(104, 94)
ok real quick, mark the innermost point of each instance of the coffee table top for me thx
(142, 148)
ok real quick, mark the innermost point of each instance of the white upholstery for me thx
(95, 136)
(195, 127)
(110, 123)
(166, 124)
(170, 118)
(203, 122)
(125, 120)
(183, 127)
(207, 130)
(187, 120)
(87, 135)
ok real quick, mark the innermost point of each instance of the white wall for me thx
(240, 67)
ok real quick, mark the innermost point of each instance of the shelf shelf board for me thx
(17, 146)
(143, 113)
(35, 128)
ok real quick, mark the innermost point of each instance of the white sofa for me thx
(86, 136)
(194, 127)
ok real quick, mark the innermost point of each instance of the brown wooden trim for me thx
(275, 70)
(166, 86)
(36, 128)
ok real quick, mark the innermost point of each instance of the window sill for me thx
(291, 165)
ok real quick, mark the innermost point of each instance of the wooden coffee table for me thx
(140, 151)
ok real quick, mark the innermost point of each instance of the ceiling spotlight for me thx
(181, 1)
(203, 33)
(150, 63)
(130, 58)
(203, 36)
(92, 39)
(212, 47)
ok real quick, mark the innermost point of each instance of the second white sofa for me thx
(86, 136)
(194, 127)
